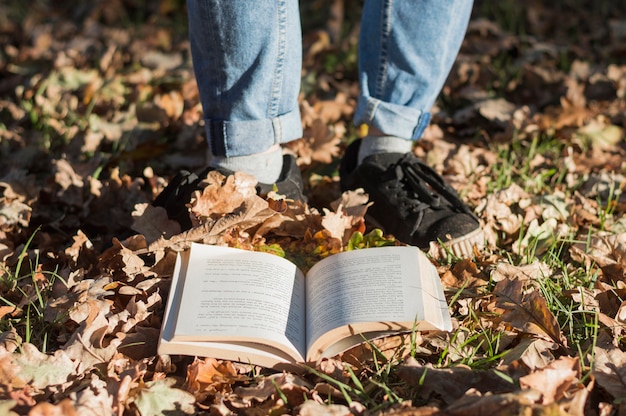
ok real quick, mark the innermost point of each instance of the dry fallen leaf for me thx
(464, 274)
(160, 397)
(207, 377)
(610, 370)
(311, 408)
(65, 408)
(602, 135)
(518, 402)
(535, 271)
(153, 222)
(451, 384)
(221, 195)
(337, 224)
(42, 370)
(270, 389)
(355, 203)
(602, 250)
(554, 381)
(526, 310)
(6, 407)
(14, 213)
(535, 353)
(95, 399)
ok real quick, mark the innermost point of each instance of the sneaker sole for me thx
(461, 247)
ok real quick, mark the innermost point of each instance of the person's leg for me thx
(406, 51)
(247, 61)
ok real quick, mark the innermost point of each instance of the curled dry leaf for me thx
(10, 340)
(271, 388)
(183, 240)
(6, 407)
(355, 203)
(65, 176)
(153, 222)
(464, 274)
(610, 370)
(536, 271)
(87, 346)
(391, 348)
(13, 214)
(560, 379)
(450, 384)
(502, 213)
(602, 250)
(123, 260)
(333, 368)
(323, 130)
(526, 310)
(522, 402)
(221, 195)
(312, 408)
(19, 185)
(65, 408)
(320, 142)
(160, 397)
(208, 377)
(337, 224)
(252, 212)
(95, 399)
(81, 241)
(43, 371)
(535, 353)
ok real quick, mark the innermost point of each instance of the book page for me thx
(246, 353)
(384, 284)
(232, 294)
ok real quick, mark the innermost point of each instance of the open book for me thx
(259, 308)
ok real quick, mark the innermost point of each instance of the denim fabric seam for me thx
(212, 139)
(372, 105)
(384, 53)
(422, 122)
(278, 127)
(216, 146)
(280, 59)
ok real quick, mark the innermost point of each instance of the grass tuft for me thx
(27, 289)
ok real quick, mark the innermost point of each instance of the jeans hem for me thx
(391, 119)
(247, 137)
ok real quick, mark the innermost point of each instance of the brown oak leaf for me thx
(556, 380)
(210, 376)
(153, 222)
(526, 310)
(221, 195)
(609, 370)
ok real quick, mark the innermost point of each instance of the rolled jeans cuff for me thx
(247, 137)
(391, 119)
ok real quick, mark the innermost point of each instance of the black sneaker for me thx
(177, 194)
(411, 201)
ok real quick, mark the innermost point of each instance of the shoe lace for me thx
(429, 189)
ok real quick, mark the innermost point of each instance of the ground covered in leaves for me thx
(99, 110)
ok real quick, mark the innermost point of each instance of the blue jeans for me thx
(247, 57)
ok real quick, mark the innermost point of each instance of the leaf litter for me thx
(99, 109)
